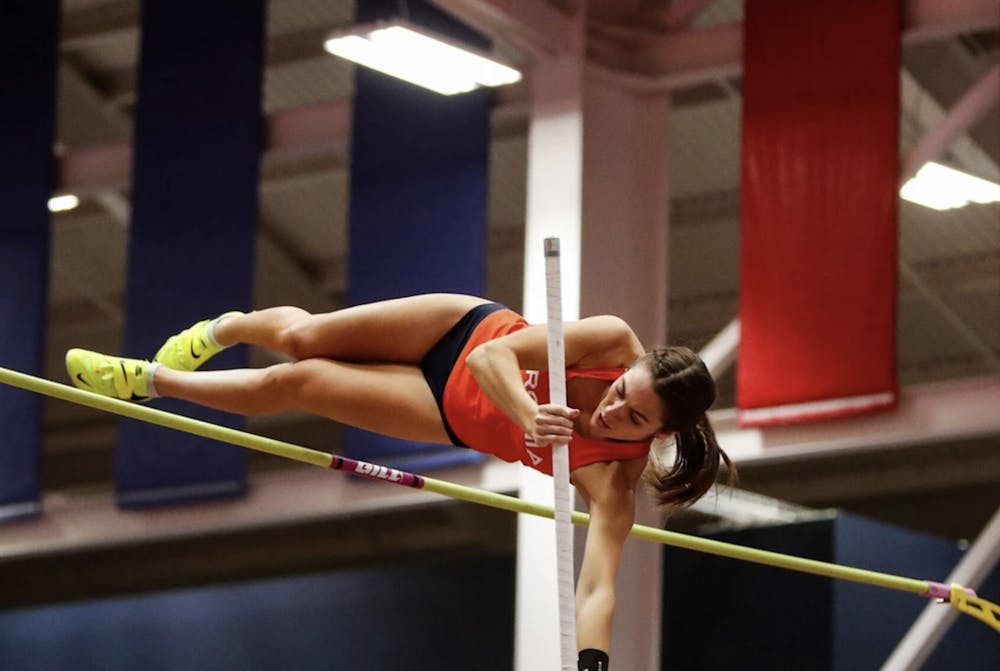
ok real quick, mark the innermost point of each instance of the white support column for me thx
(933, 623)
(555, 142)
(553, 209)
(624, 252)
(624, 272)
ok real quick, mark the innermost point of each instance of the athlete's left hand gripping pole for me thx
(560, 460)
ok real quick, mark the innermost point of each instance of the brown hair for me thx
(686, 390)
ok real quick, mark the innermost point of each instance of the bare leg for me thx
(393, 400)
(401, 330)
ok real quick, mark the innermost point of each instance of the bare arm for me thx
(609, 489)
(497, 365)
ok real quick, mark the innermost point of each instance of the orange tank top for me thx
(481, 425)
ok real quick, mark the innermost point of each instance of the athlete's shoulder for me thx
(605, 480)
(604, 340)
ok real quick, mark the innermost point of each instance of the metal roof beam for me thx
(297, 133)
(963, 115)
(926, 414)
(683, 58)
(93, 26)
(74, 522)
(683, 12)
(533, 29)
(720, 352)
(925, 20)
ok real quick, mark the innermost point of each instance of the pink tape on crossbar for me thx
(376, 472)
(939, 590)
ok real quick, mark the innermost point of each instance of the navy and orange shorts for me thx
(439, 361)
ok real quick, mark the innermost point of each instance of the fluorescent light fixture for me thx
(419, 57)
(942, 188)
(63, 203)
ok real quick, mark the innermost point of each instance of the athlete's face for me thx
(630, 408)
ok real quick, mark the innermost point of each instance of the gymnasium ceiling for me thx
(949, 279)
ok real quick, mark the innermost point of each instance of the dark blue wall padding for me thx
(191, 252)
(29, 35)
(870, 623)
(968, 635)
(418, 204)
(725, 614)
(454, 615)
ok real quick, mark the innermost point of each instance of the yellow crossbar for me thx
(289, 451)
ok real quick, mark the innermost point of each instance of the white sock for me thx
(150, 377)
(210, 331)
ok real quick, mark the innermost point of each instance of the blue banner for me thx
(29, 35)
(191, 254)
(419, 186)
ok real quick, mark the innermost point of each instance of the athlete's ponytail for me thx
(695, 468)
(687, 391)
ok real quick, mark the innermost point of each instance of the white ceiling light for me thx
(943, 188)
(419, 57)
(63, 203)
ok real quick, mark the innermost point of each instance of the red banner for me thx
(819, 197)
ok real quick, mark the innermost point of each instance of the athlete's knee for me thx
(278, 388)
(296, 335)
(297, 340)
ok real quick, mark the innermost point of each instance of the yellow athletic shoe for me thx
(192, 347)
(112, 376)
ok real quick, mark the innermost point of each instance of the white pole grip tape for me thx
(560, 461)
